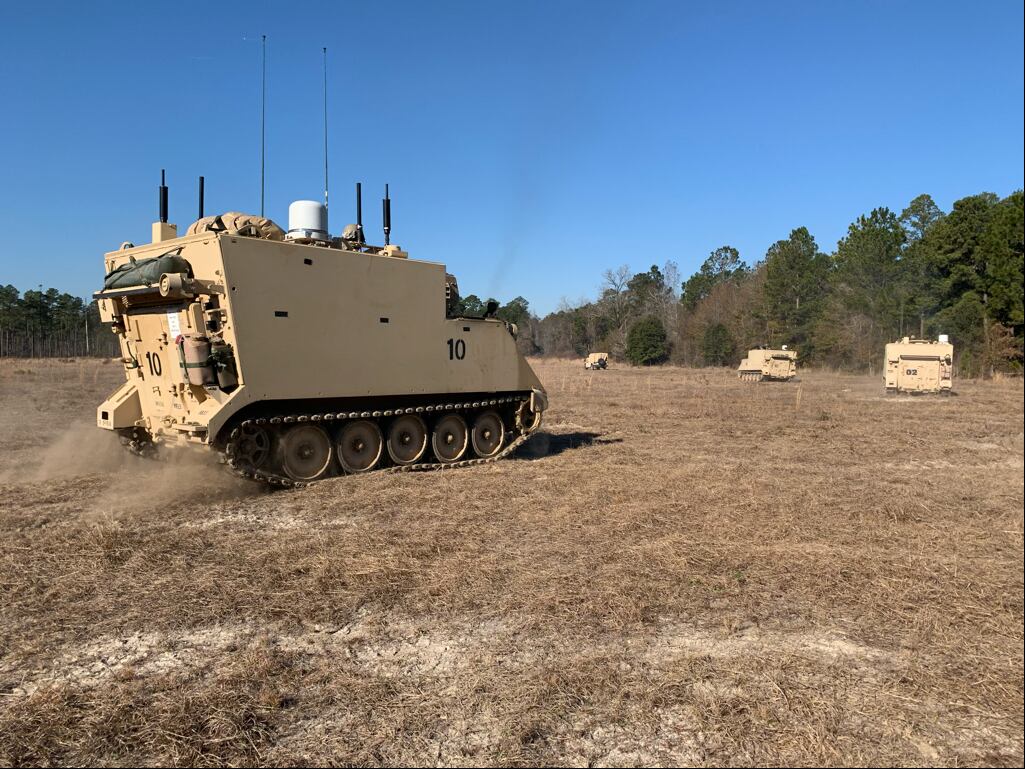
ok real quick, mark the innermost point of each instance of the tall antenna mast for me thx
(263, 122)
(325, 128)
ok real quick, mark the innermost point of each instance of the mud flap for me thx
(122, 409)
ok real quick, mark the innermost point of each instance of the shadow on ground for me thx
(549, 444)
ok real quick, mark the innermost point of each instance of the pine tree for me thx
(646, 344)
(718, 346)
(796, 283)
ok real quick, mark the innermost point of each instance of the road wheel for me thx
(407, 439)
(488, 434)
(254, 446)
(305, 452)
(359, 446)
(450, 438)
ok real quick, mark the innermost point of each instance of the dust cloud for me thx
(81, 449)
(130, 483)
(177, 478)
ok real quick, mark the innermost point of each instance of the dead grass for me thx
(685, 569)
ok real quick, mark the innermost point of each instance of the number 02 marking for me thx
(456, 349)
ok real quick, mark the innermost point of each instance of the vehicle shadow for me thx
(545, 444)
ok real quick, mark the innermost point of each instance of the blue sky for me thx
(529, 145)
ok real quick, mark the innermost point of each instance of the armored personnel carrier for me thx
(596, 360)
(762, 365)
(919, 366)
(297, 356)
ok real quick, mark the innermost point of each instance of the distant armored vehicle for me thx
(919, 366)
(597, 360)
(763, 364)
(298, 355)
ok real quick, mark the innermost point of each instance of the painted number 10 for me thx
(456, 349)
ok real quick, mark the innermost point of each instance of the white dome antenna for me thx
(307, 221)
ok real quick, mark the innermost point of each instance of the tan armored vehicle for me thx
(763, 365)
(919, 366)
(299, 356)
(596, 360)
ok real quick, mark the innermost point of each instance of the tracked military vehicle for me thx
(765, 365)
(919, 366)
(297, 356)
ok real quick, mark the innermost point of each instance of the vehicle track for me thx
(233, 456)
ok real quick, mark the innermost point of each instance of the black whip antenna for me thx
(325, 127)
(163, 197)
(263, 122)
(359, 212)
(386, 215)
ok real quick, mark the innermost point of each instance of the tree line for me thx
(920, 272)
(51, 324)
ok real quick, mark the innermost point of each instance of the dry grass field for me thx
(681, 569)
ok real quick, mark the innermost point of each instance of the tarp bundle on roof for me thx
(235, 223)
